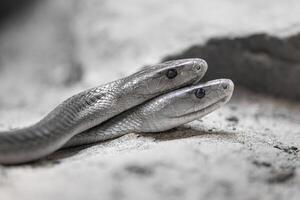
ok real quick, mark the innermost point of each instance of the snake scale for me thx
(95, 106)
(162, 113)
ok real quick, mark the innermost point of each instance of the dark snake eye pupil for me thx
(200, 93)
(171, 73)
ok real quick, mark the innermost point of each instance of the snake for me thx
(94, 106)
(162, 113)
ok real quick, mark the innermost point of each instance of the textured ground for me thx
(248, 149)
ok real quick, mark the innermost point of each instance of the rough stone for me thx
(217, 157)
(260, 62)
(189, 162)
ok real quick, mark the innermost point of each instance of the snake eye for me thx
(200, 93)
(171, 73)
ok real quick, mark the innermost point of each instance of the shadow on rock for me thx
(187, 132)
(173, 134)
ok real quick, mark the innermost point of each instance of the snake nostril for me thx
(171, 73)
(225, 86)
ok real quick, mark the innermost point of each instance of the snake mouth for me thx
(206, 110)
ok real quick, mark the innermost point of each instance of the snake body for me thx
(162, 113)
(94, 106)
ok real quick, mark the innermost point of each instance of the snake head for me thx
(186, 104)
(160, 78)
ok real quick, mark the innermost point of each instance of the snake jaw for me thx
(182, 106)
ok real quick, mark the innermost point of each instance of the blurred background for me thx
(52, 49)
(61, 44)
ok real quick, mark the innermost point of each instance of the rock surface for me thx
(253, 157)
(260, 62)
(249, 149)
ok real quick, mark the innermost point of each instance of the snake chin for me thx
(204, 111)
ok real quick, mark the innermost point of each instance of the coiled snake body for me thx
(163, 112)
(94, 106)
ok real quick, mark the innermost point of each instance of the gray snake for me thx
(95, 106)
(162, 113)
